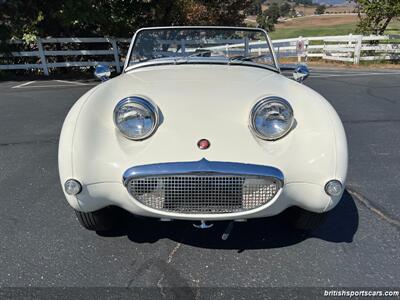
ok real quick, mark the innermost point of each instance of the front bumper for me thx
(310, 196)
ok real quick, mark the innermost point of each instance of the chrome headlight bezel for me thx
(261, 104)
(146, 104)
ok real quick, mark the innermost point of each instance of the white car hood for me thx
(203, 101)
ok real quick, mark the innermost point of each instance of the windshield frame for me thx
(127, 68)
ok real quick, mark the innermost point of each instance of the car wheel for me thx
(100, 220)
(305, 220)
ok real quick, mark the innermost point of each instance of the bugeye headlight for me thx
(271, 118)
(136, 118)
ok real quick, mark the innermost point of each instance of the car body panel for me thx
(195, 102)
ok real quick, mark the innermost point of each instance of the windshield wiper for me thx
(241, 58)
(197, 53)
(201, 53)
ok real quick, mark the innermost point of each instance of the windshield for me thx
(179, 45)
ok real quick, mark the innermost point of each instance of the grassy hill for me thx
(322, 26)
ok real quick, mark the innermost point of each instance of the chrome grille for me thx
(203, 194)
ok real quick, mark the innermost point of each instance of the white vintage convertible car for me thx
(201, 125)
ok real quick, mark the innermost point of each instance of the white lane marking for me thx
(22, 85)
(72, 82)
(350, 70)
(56, 85)
(334, 74)
(353, 74)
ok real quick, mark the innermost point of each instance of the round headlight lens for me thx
(136, 118)
(271, 118)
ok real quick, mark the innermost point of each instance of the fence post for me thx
(350, 39)
(246, 46)
(350, 43)
(42, 57)
(297, 50)
(116, 55)
(324, 49)
(357, 50)
(183, 47)
(306, 42)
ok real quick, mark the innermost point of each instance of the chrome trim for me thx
(144, 102)
(77, 182)
(202, 166)
(260, 104)
(203, 225)
(271, 48)
(167, 62)
(333, 181)
(102, 72)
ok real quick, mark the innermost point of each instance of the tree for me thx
(320, 10)
(285, 9)
(377, 15)
(254, 8)
(269, 17)
(220, 12)
(75, 18)
(273, 12)
(31, 18)
(304, 2)
(265, 22)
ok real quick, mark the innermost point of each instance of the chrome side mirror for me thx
(301, 72)
(102, 72)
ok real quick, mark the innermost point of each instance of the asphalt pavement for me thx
(43, 245)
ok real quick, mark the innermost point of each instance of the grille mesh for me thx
(207, 194)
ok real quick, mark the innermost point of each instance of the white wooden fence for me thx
(42, 55)
(347, 48)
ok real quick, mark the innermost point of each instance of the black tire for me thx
(101, 220)
(305, 220)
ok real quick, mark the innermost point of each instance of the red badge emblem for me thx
(203, 144)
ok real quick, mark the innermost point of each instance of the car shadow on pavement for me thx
(340, 226)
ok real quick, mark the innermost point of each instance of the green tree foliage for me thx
(219, 12)
(254, 8)
(377, 15)
(270, 16)
(31, 18)
(76, 18)
(304, 2)
(273, 12)
(285, 9)
(265, 22)
(320, 10)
